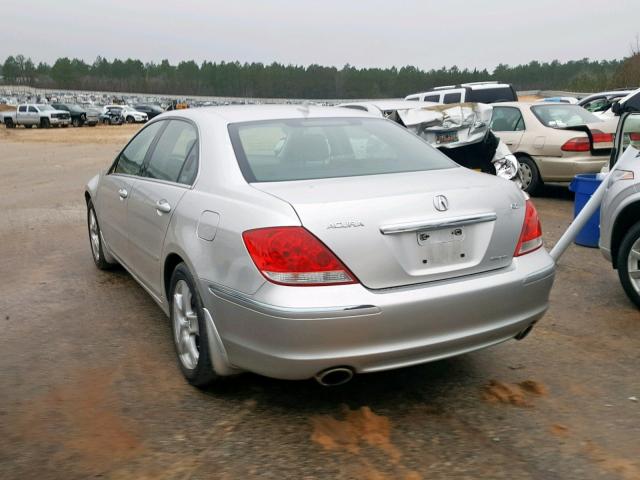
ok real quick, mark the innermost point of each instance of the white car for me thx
(130, 114)
(478, 92)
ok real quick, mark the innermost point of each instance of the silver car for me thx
(300, 242)
(620, 209)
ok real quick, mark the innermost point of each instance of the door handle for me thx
(162, 206)
(509, 143)
(123, 193)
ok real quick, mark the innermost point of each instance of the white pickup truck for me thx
(30, 114)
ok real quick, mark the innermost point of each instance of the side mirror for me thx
(616, 108)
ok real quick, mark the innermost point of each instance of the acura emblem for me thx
(441, 203)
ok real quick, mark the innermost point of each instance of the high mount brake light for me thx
(294, 256)
(531, 234)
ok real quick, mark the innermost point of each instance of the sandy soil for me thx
(89, 386)
(100, 134)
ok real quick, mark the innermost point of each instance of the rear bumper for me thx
(563, 169)
(295, 332)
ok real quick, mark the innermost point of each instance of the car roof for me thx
(389, 104)
(248, 113)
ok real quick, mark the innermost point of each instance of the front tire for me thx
(529, 173)
(45, 123)
(95, 239)
(76, 122)
(628, 263)
(130, 119)
(189, 329)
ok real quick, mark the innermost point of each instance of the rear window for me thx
(305, 149)
(561, 115)
(491, 95)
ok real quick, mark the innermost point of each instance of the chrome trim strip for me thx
(421, 226)
(245, 300)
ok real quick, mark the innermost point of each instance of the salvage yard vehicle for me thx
(316, 242)
(620, 208)
(129, 114)
(31, 114)
(460, 131)
(149, 109)
(553, 142)
(601, 103)
(112, 116)
(479, 92)
(79, 115)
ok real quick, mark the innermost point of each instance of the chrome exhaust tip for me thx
(332, 377)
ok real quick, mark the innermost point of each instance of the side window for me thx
(22, 108)
(132, 157)
(432, 98)
(178, 141)
(506, 119)
(33, 110)
(452, 97)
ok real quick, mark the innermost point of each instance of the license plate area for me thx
(446, 137)
(442, 247)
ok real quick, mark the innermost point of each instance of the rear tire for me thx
(95, 239)
(189, 329)
(8, 123)
(529, 173)
(628, 263)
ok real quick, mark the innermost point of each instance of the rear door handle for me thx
(509, 143)
(162, 206)
(123, 193)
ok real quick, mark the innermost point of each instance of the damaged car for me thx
(461, 131)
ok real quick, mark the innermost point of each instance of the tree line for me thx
(293, 81)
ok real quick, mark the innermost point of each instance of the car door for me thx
(508, 125)
(33, 116)
(115, 190)
(22, 115)
(156, 195)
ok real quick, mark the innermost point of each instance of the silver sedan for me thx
(300, 242)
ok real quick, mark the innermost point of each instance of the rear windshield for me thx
(562, 115)
(491, 95)
(304, 149)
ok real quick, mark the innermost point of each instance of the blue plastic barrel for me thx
(584, 185)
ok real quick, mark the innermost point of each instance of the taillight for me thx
(531, 235)
(293, 256)
(601, 137)
(577, 144)
(634, 136)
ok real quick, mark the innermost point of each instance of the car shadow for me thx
(557, 191)
(418, 384)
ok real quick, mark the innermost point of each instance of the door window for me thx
(452, 97)
(597, 105)
(33, 110)
(432, 98)
(22, 108)
(506, 119)
(177, 144)
(130, 160)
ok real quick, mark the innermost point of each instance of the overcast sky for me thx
(424, 33)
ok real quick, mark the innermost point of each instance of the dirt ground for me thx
(89, 386)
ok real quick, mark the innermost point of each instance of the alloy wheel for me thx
(633, 265)
(94, 234)
(185, 325)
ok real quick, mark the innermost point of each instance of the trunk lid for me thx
(387, 231)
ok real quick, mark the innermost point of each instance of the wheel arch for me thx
(629, 216)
